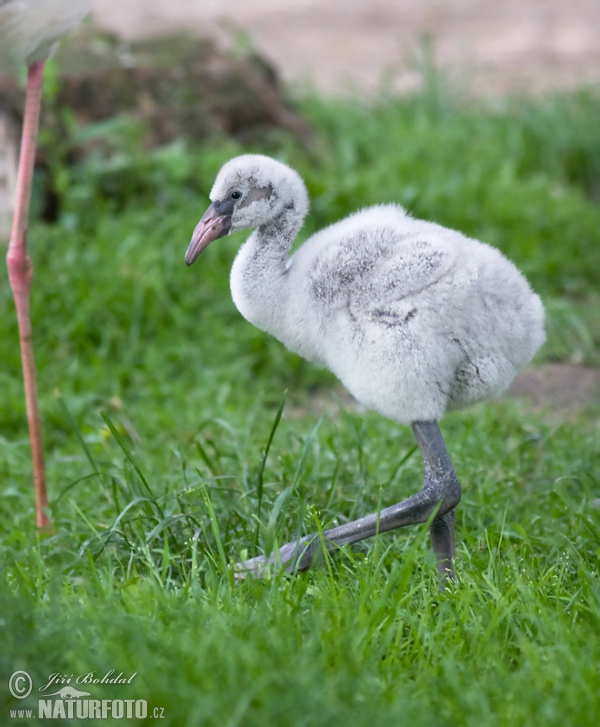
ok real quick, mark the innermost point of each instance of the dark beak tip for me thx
(211, 226)
(189, 256)
(192, 254)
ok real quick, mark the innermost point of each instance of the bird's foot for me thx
(290, 558)
(446, 575)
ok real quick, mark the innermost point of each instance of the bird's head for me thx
(250, 191)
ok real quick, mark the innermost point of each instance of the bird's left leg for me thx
(20, 273)
(440, 494)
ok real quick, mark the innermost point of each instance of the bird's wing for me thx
(378, 273)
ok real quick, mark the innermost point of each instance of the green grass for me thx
(159, 403)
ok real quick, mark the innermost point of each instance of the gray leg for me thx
(442, 542)
(440, 494)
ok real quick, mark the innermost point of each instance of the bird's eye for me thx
(236, 194)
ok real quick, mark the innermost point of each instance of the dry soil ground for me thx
(492, 45)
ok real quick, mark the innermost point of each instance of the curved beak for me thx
(213, 224)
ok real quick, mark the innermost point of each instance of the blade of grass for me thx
(263, 461)
(127, 452)
(69, 417)
(215, 528)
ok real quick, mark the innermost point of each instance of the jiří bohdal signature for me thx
(58, 679)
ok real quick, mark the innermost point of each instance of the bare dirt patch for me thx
(553, 387)
(339, 45)
(559, 386)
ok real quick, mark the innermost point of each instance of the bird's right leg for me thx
(20, 272)
(440, 494)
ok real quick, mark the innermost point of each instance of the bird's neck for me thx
(259, 276)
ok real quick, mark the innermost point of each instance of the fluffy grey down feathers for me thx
(414, 318)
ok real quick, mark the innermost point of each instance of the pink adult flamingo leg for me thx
(20, 272)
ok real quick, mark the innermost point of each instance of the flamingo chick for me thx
(413, 318)
(29, 33)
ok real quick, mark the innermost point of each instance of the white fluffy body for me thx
(30, 29)
(414, 318)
